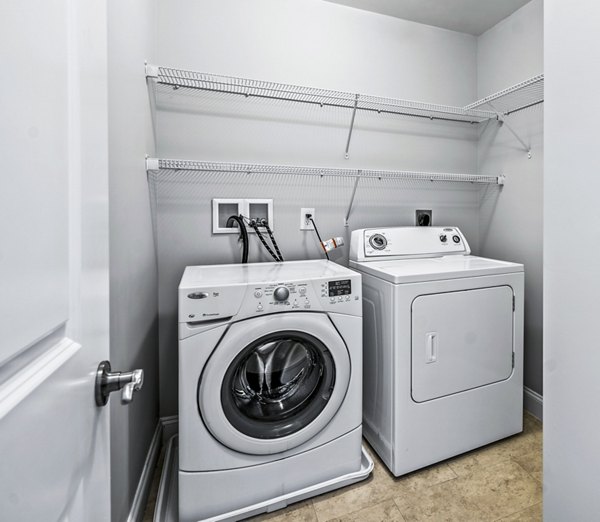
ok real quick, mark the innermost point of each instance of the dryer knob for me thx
(281, 293)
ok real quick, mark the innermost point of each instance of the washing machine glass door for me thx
(274, 382)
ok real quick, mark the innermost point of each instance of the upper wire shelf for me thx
(528, 93)
(167, 80)
(156, 165)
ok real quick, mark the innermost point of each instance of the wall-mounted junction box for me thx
(223, 208)
(423, 218)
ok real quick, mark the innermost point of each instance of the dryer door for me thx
(274, 382)
(460, 341)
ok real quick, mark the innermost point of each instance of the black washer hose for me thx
(243, 234)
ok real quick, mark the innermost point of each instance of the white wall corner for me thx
(533, 402)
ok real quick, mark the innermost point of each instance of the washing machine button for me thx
(258, 294)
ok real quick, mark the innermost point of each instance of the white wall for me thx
(314, 43)
(571, 267)
(511, 220)
(133, 273)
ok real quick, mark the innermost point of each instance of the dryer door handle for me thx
(431, 347)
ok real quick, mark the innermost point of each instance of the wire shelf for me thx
(169, 80)
(513, 99)
(156, 166)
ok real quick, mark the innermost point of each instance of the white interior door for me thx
(54, 440)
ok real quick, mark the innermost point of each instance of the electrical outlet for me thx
(305, 223)
(423, 218)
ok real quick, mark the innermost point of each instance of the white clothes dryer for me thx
(443, 345)
(270, 371)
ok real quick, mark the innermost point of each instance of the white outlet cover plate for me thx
(303, 224)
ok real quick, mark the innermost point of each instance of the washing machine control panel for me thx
(317, 295)
(217, 293)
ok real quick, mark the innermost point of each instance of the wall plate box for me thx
(223, 208)
(423, 218)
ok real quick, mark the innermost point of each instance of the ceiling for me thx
(466, 16)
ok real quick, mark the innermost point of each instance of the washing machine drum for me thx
(274, 382)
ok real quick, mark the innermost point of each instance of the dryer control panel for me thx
(375, 244)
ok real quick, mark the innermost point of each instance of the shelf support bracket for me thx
(151, 70)
(346, 155)
(503, 122)
(356, 181)
(152, 164)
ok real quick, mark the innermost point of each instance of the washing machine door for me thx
(274, 382)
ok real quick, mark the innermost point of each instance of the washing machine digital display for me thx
(343, 287)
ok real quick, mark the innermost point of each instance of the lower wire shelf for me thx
(156, 166)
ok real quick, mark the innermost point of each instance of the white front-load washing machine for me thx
(443, 345)
(270, 385)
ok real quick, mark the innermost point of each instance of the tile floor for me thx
(501, 481)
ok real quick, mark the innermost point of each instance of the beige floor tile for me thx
(385, 512)
(500, 490)
(526, 443)
(300, 512)
(531, 514)
(439, 503)
(464, 464)
(532, 463)
(378, 487)
(514, 447)
(531, 424)
(427, 477)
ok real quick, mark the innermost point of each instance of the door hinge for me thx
(513, 303)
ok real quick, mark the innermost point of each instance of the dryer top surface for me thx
(435, 268)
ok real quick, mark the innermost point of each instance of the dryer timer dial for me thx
(378, 241)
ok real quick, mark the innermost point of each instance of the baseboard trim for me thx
(136, 513)
(170, 427)
(533, 402)
(165, 429)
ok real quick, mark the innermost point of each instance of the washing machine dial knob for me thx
(281, 293)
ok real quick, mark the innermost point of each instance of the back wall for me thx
(319, 44)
